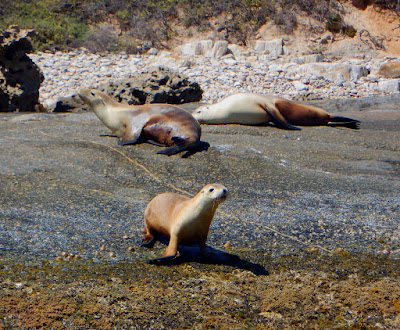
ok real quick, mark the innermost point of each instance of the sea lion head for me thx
(204, 114)
(92, 97)
(214, 193)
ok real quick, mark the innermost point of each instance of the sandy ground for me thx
(308, 238)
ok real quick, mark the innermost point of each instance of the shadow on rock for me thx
(210, 257)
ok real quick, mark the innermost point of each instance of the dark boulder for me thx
(158, 85)
(20, 78)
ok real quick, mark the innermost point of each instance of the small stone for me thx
(298, 85)
(341, 251)
(130, 249)
(228, 245)
(384, 252)
(116, 280)
(152, 51)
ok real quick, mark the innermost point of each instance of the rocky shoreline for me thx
(316, 209)
(303, 78)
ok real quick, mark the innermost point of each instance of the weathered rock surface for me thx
(20, 78)
(390, 70)
(389, 86)
(272, 47)
(203, 47)
(319, 200)
(65, 188)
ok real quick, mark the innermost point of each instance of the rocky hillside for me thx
(356, 25)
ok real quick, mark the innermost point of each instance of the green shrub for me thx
(334, 22)
(54, 29)
(287, 21)
(349, 31)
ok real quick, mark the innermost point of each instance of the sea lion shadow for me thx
(211, 256)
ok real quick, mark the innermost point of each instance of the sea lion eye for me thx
(93, 94)
(198, 111)
(211, 189)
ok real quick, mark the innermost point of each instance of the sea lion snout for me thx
(84, 94)
(224, 194)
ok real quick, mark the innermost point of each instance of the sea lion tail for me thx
(183, 145)
(338, 121)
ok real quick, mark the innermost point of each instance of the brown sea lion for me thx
(256, 109)
(181, 219)
(159, 124)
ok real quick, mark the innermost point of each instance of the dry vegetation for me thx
(133, 26)
(347, 292)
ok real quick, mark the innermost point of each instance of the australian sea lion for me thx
(182, 219)
(256, 109)
(160, 124)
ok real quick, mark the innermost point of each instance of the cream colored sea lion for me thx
(181, 219)
(256, 109)
(160, 124)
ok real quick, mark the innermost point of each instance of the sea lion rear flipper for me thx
(344, 122)
(280, 123)
(201, 146)
(148, 241)
(182, 145)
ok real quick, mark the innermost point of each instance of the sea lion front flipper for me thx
(172, 248)
(108, 135)
(162, 260)
(169, 254)
(131, 136)
(279, 122)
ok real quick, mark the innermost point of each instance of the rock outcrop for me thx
(390, 69)
(272, 47)
(207, 48)
(20, 78)
(159, 85)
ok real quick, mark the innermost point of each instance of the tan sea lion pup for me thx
(159, 124)
(181, 219)
(256, 109)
